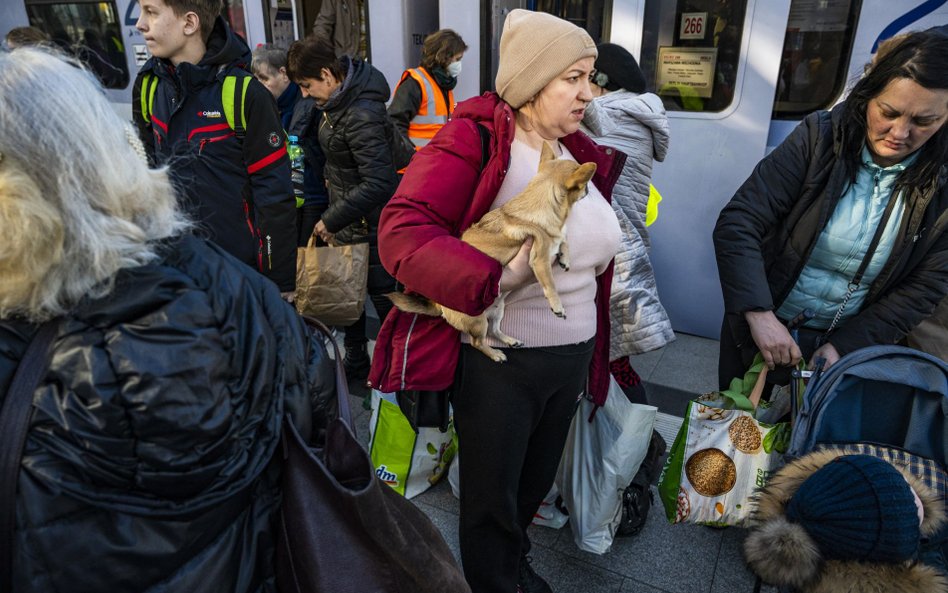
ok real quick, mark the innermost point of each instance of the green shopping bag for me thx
(408, 462)
(722, 454)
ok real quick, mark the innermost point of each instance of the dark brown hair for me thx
(206, 10)
(20, 36)
(307, 58)
(440, 47)
(920, 57)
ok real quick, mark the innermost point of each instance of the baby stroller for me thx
(888, 402)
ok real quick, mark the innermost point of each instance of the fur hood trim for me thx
(782, 553)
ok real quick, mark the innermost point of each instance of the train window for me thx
(88, 30)
(585, 14)
(233, 13)
(816, 51)
(690, 52)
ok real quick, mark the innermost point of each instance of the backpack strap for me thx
(147, 96)
(233, 95)
(14, 425)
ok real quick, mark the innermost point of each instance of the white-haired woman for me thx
(148, 462)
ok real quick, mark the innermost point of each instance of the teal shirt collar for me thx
(868, 163)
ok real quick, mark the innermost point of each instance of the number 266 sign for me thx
(693, 25)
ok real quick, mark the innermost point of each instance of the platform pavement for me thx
(662, 558)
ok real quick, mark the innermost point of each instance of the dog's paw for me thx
(499, 357)
(559, 313)
(564, 265)
(517, 344)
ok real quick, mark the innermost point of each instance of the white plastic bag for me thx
(599, 460)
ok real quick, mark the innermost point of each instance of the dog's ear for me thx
(581, 176)
(546, 153)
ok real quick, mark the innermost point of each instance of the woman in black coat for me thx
(797, 233)
(356, 136)
(149, 462)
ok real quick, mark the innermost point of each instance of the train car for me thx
(735, 76)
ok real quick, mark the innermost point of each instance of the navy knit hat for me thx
(617, 69)
(858, 507)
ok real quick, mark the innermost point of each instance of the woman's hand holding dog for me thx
(518, 272)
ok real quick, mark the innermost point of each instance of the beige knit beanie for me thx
(535, 47)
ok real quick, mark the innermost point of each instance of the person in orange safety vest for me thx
(424, 98)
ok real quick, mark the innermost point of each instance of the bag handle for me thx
(14, 425)
(342, 385)
(758, 390)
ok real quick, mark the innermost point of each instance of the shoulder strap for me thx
(233, 95)
(147, 95)
(14, 422)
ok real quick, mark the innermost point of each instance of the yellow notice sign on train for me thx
(691, 67)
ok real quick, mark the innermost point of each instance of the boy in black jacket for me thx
(228, 162)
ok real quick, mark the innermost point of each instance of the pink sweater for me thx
(593, 235)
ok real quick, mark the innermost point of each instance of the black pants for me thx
(512, 420)
(355, 334)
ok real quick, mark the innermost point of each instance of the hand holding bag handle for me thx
(14, 425)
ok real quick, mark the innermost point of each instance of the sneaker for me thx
(530, 581)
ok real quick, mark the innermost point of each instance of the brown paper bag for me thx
(331, 281)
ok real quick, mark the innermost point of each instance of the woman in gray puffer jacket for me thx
(150, 462)
(625, 117)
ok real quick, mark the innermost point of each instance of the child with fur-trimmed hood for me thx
(836, 523)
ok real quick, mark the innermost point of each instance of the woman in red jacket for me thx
(512, 418)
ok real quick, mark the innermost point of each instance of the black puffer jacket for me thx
(765, 234)
(356, 135)
(149, 464)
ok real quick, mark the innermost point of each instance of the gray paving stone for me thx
(634, 586)
(567, 574)
(440, 496)
(689, 363)
(673, 558)
(446, 523)
(731, 574)
(644, 364)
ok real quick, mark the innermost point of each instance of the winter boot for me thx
(529, 581)
(637, 498)
(357, 362)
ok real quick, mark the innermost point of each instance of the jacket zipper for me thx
(411, 327)
(205, 141)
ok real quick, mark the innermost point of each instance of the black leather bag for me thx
(341, 530)
(425, 408)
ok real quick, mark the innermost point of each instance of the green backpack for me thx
(232, 97)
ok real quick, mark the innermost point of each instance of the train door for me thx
(592, 15)
(714, 63)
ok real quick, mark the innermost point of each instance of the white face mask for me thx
(454, 69)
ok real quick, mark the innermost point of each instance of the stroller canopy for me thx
(886, 395)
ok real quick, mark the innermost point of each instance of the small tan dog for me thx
(538, 212)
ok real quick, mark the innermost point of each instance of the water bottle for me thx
(295, 152)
